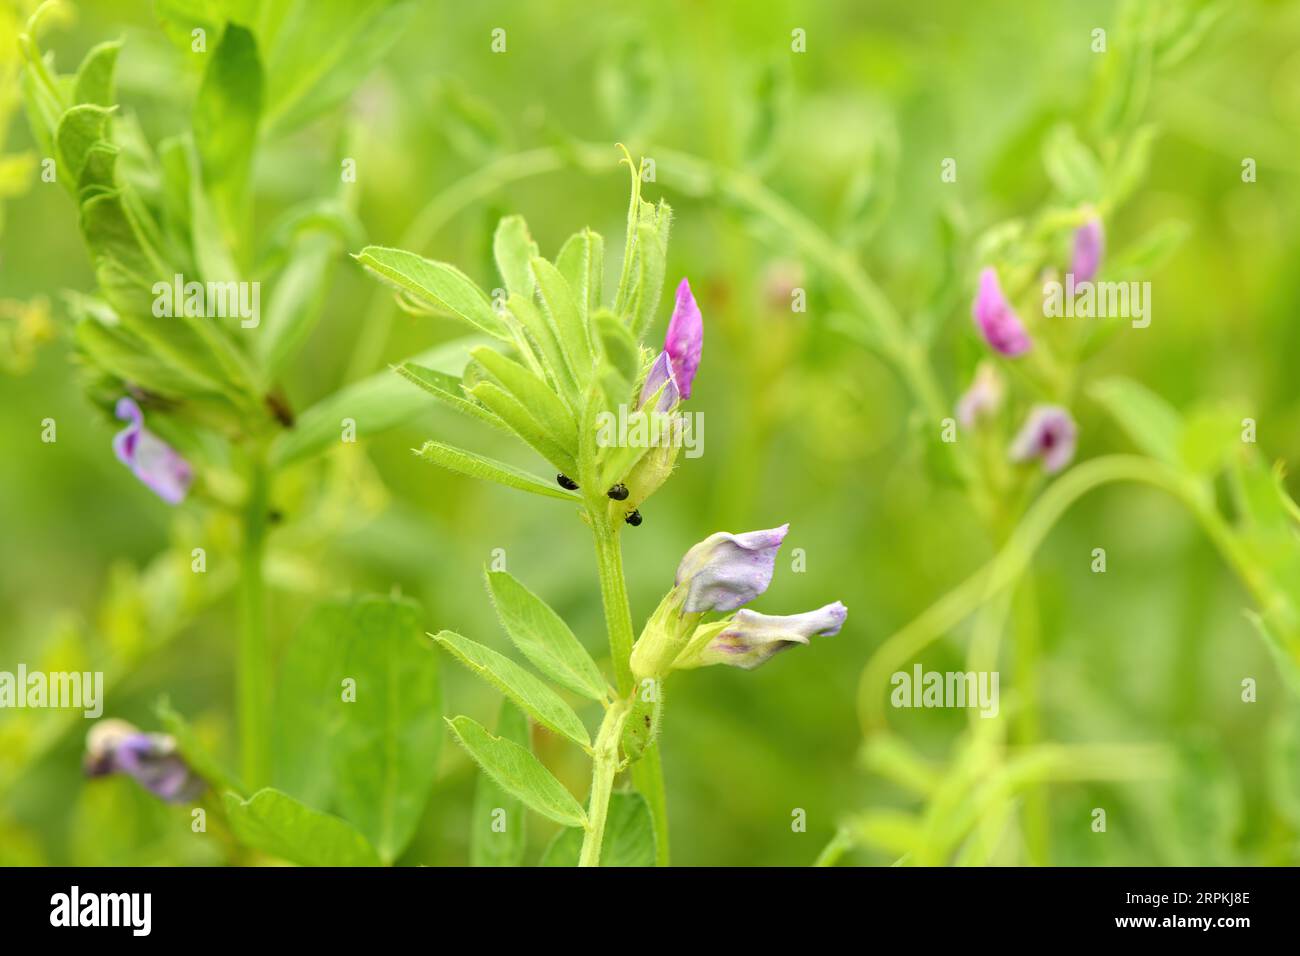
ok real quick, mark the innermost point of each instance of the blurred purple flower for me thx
(152, 460)
(685, 339)
(983, 398)
(726, 570)
(661, 376)
(1089, 244)
(997, 321)
(1049, 434)
(750, 638)
(152, 760)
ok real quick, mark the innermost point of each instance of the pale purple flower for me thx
(983, 398)
(750, 638)
(661, 376)
(1049, 434)
(685, 338)
(1089, 244)
(152, 460)
(726, 570)
(997, 321)
(152, 760)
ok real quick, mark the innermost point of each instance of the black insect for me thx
(565, 482)
(633, 518)
(618, 492)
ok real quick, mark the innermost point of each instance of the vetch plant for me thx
(563, 357)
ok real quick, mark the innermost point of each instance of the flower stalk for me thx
(604, 770)
(253, 679)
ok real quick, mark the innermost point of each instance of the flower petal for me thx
(1050, 435)
(752, 638)
(1089, 244)
(150, 458)
(725, 571)
(685, 339)
(997, 321)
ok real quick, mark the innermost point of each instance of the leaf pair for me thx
(548, 643)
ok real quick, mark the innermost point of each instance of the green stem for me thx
(253, 681)
(647, 773)
(604, 769)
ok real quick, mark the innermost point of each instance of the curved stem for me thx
(1011, 561)
(253, 680)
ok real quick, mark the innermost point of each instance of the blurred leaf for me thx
(279, 825)
(1071, 166)
(94, 83)
(630, 88)
(1207, 437)
(376, 404)
(629, 837)
(768, 102)
(489, 846)
(471, 125)
(1150, 421)
(519, 773)
(227, 110)
(528, 693)
(386, 753)
(542, 636)
(218, 776)
(1131, 167)
(1151, 250)
(296, 301)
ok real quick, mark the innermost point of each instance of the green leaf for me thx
(649, 262)
(386, 753)
(534, 394)
(491, 844)
(80, 128)
(1207, 438)
(629, 836)
(1071, 166)
(296, 300)
(541, 332)
(473, 465)
(448, 390)
(514, 249)
(441, 285)
(94, 83)
(275, 823)
(582, 263)
(1150, 421)
(376, 404)
(227, 109)
(568, 323)
(630, 88)
(511, 411)
(620, 348)
(321, 50)
(529, 694)
(471, 124)
(519, 773)
(542, 636)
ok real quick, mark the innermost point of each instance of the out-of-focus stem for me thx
(253, 678)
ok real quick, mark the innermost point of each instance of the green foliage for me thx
(279, 825)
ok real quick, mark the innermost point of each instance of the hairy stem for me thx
(253, 680)
(604, 769)
(647, 773)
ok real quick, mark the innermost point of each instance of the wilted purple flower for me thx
(984, 397)
(152, 460)
(661, 376)
(685, 338)
(750, 638)
(1089, 244)
(115, 746)
(726, 570)
(997, 321)
(1048, 434)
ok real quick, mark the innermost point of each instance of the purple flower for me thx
(983, 398)
(115, 746)
(152, 460)
(1048, 434)
(750, 638)
(661, 376)
(685, 338)
(1089, 244)
(726, 570)
(997, 321)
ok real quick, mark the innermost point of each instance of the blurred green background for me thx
(803, 424)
